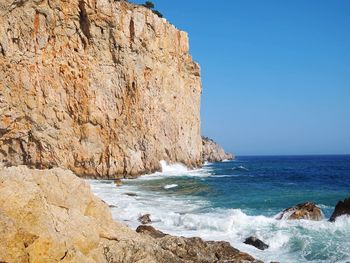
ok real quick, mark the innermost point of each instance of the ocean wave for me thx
(175, 170)
(289, 240)
(240, 168)
(169, 186)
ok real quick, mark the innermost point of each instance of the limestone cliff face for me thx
(101, 87)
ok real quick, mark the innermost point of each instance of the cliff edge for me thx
(103, 88)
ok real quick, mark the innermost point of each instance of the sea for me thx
(233, 200)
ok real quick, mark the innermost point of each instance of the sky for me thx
(275, 74)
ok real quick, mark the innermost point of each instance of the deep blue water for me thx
(265, 185)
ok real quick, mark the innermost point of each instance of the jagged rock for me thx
(145, 219)
(213, 152)
(342, 208)
(195, 249)
(52, 216)
(256, 243)
(118, 182)
(150, 230)
(306, 210)
(103, 88)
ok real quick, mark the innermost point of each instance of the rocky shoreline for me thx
(52, 216)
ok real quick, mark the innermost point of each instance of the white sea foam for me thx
(169, 186)
(241, 168)
(177, 169)
(289, 241)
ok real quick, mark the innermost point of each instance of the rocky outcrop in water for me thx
(342, 208)
(52, 216)
(306, 210)
(145, 219)
(103, 88)
(213, 152)
(254, 241)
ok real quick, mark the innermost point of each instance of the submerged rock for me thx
(306, 210)
(118, 182)
(213, 152)
(342, 208)
(131, 194)
(145, 219)
(52, 216)
(256, 243)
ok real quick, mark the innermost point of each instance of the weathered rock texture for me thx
(342, 208)
(52, 216)
(103, 88)
(213, 152)
(306, 210)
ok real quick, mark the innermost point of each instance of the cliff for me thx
(103, 88)
(213, 152)
(52, 216)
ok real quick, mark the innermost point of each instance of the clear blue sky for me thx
(276, 74)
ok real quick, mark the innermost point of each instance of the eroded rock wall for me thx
(103, 88)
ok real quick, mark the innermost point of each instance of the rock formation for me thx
(253, 241)
(145, 219)
(342, 208)
(104, 88)
(306, 210)
(52, 216)
(213, 152)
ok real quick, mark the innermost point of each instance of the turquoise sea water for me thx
(236, 199)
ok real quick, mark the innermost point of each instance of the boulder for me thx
(342, 208)
(145, 219)
(52, 216)
(256, 243)
(150, 230)
(197, 250)
(306, 210)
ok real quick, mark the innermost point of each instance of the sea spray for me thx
(219, 203)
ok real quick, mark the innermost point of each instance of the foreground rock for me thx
(306, 210)
(195, 249)
(103, 88)
(213, 152)
(342, 208)
(150, 230)
(52, 216)
(253, 241)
